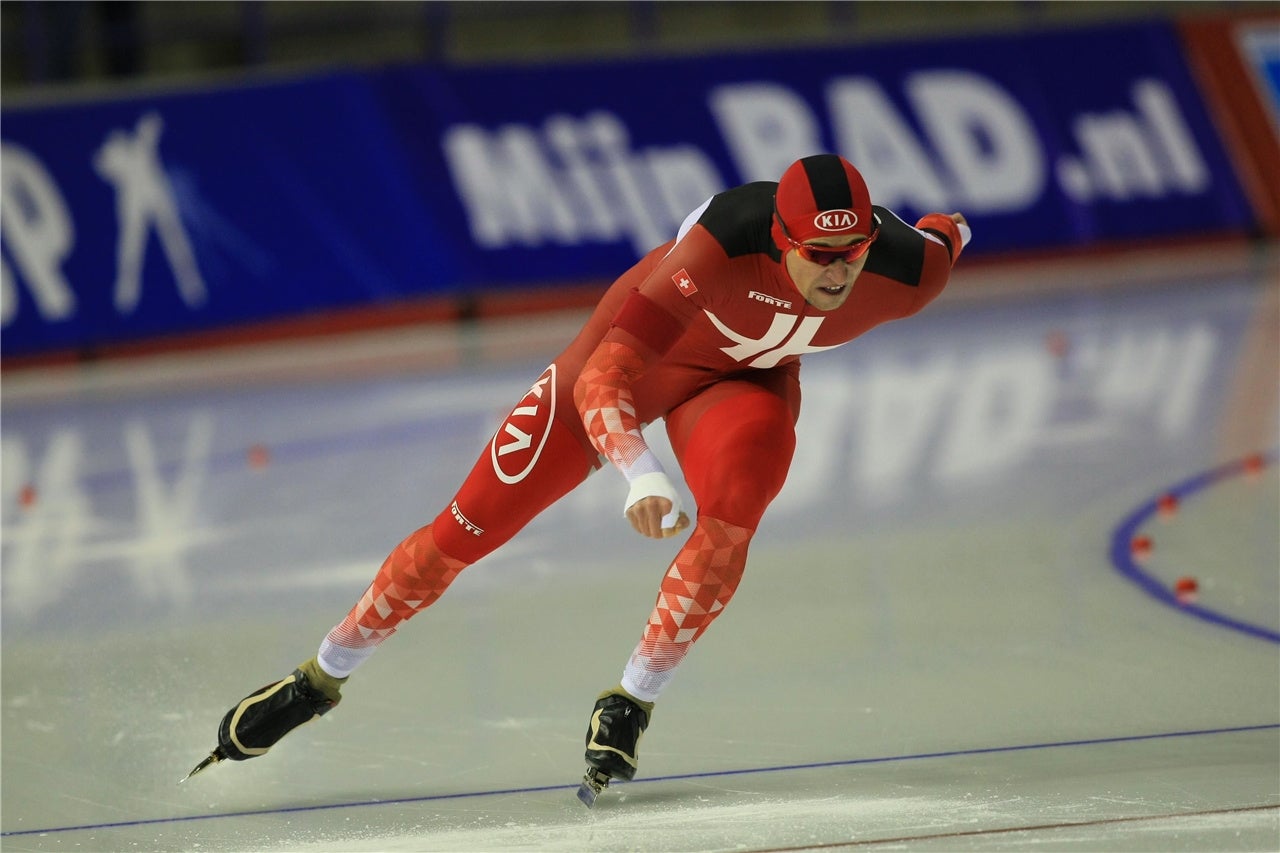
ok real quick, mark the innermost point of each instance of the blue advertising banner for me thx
(155, 215)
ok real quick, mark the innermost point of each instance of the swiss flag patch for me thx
(685, 283)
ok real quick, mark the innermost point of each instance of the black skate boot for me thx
(264, 716)
(613, 740)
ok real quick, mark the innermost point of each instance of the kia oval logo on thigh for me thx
(518, 443)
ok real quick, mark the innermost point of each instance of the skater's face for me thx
(825, 278)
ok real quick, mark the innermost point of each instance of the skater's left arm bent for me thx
(605, 403)
(647, 325)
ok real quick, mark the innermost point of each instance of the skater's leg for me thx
(734, 444)
(696, 588)
(484, 514)
(512, 482)
(411, 579)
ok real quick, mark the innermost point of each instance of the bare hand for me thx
(958, 218)
(646, 515)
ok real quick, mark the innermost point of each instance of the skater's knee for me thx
(737, 458)
(457, 536)
(421, 558)
(738, 487)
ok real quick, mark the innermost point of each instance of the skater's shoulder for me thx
(739, 219)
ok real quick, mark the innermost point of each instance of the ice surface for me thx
(931, 648)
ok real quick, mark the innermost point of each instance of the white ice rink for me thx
(944, 641)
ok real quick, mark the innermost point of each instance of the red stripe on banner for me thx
(1233, 99)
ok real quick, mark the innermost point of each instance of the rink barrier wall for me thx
(428, 193)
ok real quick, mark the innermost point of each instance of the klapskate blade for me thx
(214, 758)
(588, 793)
(592, 784)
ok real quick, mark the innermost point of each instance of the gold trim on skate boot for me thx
(603, 747)
(329, 686)
(268, 714)
(258, 721)
(248, 702)
(613, 739)
(647, 707)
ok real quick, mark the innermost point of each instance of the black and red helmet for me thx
(821, 196)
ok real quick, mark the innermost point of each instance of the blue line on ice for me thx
(676, 777)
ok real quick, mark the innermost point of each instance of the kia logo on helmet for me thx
(835, 220)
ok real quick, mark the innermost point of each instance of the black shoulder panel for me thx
(739, 219)
(898, 253)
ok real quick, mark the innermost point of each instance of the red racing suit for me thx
(706, 332)
(714, 305)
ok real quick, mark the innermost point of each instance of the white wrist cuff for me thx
(655, 484)
(965, 233)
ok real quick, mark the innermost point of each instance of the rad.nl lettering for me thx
(575, 180)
